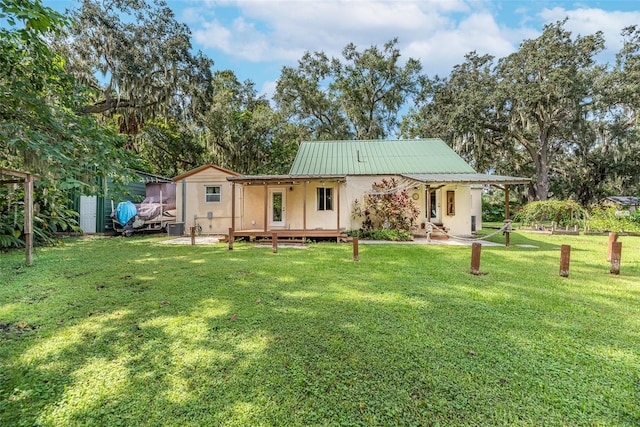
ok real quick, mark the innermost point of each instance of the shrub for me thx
(608, 218)
(387, 206)
(51, 216)
(381, 234)
(562, 212)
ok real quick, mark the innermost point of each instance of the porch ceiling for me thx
(282, 179)
(465, 178)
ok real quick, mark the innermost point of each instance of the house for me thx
(629, 203)
(204, 199)
(317, 197)
(95, 211)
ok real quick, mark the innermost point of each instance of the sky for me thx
(256, 38)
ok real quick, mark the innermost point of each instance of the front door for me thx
(276, 207)
(435, 212)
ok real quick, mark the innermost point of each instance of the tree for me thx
(357, 97)
(137, 60)
(40, 130)
(519, 115)
(606, 144)
(170, 148)
(242, 131)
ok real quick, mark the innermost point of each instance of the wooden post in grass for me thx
(274, 242)
(507, 220)
(616, 255)
(356, 256)
(193, 236)
(613, 237)
(230, 238)
(565, 255)
(28, 218)
(476, 249)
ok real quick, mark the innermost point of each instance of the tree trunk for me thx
(542, 177)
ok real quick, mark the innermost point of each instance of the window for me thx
(325, 202)
(212, 194)
(451, 203)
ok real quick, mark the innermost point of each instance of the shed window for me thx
(212, 194)
(325, 199)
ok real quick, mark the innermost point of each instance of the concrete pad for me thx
(200, 240)
(425, 241)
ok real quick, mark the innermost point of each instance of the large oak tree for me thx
(519, 114)
(357, 96)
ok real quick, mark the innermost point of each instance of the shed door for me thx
(88, 213)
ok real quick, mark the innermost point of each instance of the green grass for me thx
(118, 331)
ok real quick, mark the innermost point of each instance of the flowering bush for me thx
(387, 207)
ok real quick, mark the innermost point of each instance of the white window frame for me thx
(207, 194)
(321, 204)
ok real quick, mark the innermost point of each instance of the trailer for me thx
(154, 213)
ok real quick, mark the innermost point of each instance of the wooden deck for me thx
(288, 234)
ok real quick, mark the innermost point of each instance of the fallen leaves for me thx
(233, 318)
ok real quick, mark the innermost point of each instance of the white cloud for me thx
(268, 89)
(437, 32)
(283, 30)
(585, 21)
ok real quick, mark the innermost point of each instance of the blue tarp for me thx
(125, 211)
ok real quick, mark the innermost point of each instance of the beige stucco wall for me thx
(252, 211)
(476, 205)
(254, 207)
(458, 224)
(196, 210)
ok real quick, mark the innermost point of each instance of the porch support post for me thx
(507, 215)
(233, 206)
(428, 205)
(28, 218)
(266, 205)
(338, 210)
(304, 206)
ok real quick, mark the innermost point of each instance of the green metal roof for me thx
(465, 178)
(377, 157)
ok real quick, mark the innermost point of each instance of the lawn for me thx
(115, 331)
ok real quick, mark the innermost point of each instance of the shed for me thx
(204, 199)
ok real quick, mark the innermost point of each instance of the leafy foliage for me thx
(137, 61)
(605, 217)
(493, 206)
(387, 207)
(243, 132)
(40, 129)
(51, 216)
(562, 212)
(519, 115)
(381, 234)
(357, 97)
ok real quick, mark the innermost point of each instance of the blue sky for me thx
(256, 38)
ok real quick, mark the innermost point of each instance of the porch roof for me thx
(282, 179)
(465, 178)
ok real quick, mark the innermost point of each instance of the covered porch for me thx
(289, 206)
(435, 182)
